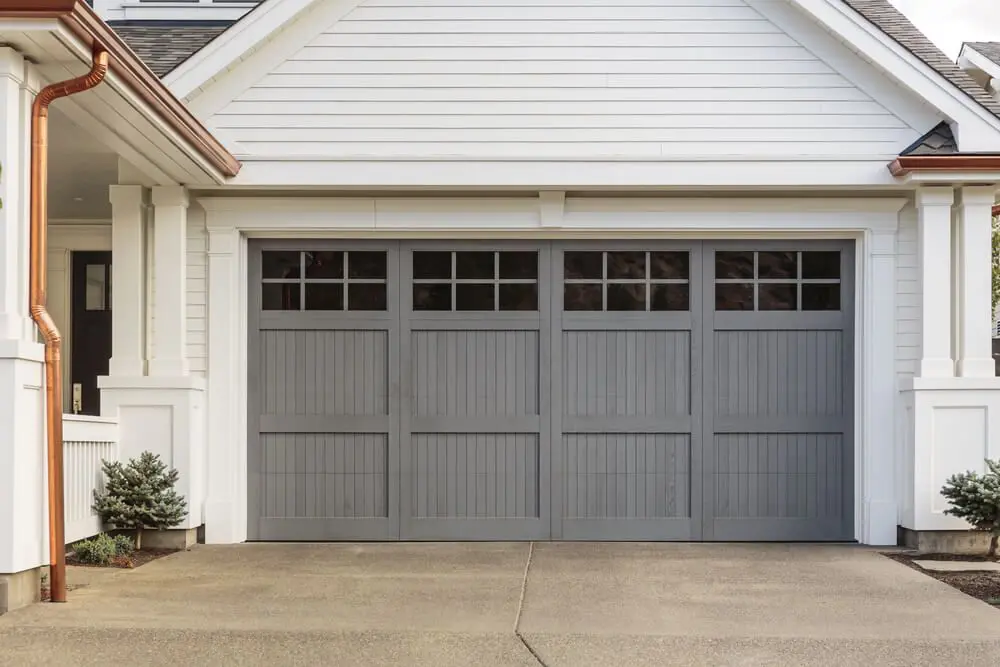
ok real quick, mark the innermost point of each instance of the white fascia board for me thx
(978, 129)
(164, 135)
(950, 177)
(971, 58)
(568, 175)
(245, 35)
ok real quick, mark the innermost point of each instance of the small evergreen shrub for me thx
(140, 495)
(99, 550)
(976, 499)
(124, 546)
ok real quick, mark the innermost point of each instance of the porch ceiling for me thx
(80, 170)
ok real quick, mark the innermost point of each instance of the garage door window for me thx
(324, 280)
(475, 280)
(626, 281)
(777, 280)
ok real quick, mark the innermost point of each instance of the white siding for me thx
(197, 291)
(647, 79)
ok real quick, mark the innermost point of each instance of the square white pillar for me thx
(934, 253)
(975, 317)
(23, 514)
(128, 276)
(169, 356)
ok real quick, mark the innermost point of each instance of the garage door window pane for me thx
(518, 297)
(583, 297)
(669, 265)
(734, 265)
(669, 297)
(627, 265)
(361, 296)
(777, 265)
(626, 297)
(432, 297)
(474, 297)
(327, 265)
(519, 265)
(584, 265)
(366, 265)
(280, 296)
(821, 265)
(474, 265)
(778, 296)
(324, 296)
(734, 296)
(281, 264)
(432, 265)
(821, 297)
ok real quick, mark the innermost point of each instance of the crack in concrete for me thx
(520, 608)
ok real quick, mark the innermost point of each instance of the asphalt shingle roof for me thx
(164, 47)
(892, 22)
(989, 49)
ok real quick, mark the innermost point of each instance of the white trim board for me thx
(872, 223)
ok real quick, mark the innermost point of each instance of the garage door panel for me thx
(626, 476)
(475, 373)
(324, 475)
(626, 373)
(779, 475)
(485, 476)
(779, 373)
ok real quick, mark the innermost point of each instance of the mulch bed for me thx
(983, 586)
(137, 559)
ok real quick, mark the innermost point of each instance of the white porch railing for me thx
(86, 440)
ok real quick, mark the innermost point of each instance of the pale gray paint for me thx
(696, 425)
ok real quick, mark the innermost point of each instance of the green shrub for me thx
(124, 546)
(976, 498)
(98, 550)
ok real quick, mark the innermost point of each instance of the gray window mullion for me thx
(649, 290)
(454, 283)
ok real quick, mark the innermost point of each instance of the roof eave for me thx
(957, 162)
(87, 26)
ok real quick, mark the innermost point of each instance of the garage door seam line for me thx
(520, 608)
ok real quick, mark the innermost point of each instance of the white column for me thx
(974, 281)
(934, 252)
(225, 514)
(13, 190)
(170, 282)
(23, 516)
(128, 278)
(879, 509)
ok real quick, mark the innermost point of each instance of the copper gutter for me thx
(906, 164)
(37, 297)
(87, 26)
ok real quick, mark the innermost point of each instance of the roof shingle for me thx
(164, 47)
(892, 22)
(989, 49)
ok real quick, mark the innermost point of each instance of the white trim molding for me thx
(230, 221)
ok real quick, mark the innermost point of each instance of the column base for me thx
(977, 368)
(165, 416)
(962, 542)
(20, 589)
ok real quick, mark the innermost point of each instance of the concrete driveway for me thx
(457, 604)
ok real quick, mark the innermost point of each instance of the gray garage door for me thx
(573, 390)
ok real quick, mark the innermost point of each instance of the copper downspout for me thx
(37, 296)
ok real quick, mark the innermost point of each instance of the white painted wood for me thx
(170, 288)
(647, 81)
(975, 321)
(87, 441)
(875, 469)
(934, 248)
(197, 291)
(22, 450)
(128, 271)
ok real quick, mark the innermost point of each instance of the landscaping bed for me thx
(135, 559)
(981, 585)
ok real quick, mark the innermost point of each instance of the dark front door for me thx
(90, 338)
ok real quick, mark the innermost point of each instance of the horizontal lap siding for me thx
(197, 291)
(556, 78)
